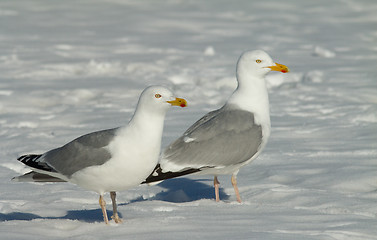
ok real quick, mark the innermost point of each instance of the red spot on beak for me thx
(178, 102)
(279, 68)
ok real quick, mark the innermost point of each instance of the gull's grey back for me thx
(85, 151)
(224, 137)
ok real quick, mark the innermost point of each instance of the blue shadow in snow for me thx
(90, 216)
(178, 190)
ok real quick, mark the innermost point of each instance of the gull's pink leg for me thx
(102, 203)
(115, 211)
(216, 183)
(234, 183)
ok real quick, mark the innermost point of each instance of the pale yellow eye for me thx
(157, 95)
(258, 61)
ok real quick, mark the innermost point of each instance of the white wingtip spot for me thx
(188, 139)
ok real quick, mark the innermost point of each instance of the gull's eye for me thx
(157, 95)
(258, 61)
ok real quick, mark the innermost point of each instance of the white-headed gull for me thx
(109, 160)
(224, 140)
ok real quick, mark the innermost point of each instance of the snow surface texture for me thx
(73, 67)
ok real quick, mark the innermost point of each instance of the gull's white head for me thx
(257, 64)
(159, 99)
(251, 93)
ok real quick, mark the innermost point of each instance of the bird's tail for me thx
(36, 177)
(158, 175)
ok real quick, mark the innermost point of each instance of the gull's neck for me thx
(147, 125)
(251, 95)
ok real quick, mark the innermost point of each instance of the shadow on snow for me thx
(178, 190)
(90, 216)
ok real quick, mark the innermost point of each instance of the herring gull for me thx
(224, 140)
(109, 160)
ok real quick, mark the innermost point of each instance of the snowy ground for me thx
(72, 67)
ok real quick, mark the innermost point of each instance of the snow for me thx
(72, 67)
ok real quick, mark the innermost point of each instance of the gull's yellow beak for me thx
(279, 67)
(178, 102)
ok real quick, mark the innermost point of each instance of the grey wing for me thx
(221, 138)
(203, 121)
(85, 151)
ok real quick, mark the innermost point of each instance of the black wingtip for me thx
(31, 160)
(29, 157)
(158, 175)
